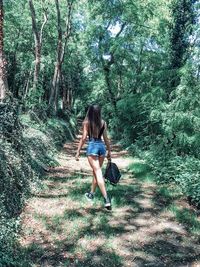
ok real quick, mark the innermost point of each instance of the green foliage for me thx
(27, 148)
(20, 52)
(169, 143)
(168, 167)
(181, 118)
(131, 118)
(183, 14)
(138, 60)
(188, 218)
(188, 178)
(156, 106)
(34, 100)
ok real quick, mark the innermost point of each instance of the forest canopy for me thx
(138, 59)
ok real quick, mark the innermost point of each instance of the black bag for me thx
(112, 173)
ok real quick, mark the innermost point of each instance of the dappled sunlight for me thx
(61, 228)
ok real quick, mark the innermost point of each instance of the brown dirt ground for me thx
(60, 228)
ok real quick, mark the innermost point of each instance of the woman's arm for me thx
(107, 142)
(82, 140)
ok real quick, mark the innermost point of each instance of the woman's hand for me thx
(109, 155)
(77, 156)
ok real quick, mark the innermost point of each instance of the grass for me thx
(188, 218)
(67, 230)
(166, 196)
(141, 170)
(83, 228)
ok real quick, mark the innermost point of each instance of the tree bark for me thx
(138, 70)
(3, 76)
(107, 70)
(61, 47)
(38, 43)
(12, 73)
(27, 79)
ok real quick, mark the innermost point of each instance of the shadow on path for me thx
(61, 228)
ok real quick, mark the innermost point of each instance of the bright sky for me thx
(114, 29)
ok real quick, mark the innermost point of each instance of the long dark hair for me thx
(94, 120)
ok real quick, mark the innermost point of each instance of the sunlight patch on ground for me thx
(61, 228)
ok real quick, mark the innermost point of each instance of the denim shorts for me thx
(96, 148)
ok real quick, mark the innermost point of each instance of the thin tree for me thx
(61, 47)
(38, 42)
(3, 77)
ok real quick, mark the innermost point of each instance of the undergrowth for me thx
(27, 148)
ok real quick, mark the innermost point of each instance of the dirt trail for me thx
(61, 228)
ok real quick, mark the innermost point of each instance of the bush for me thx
(27, 148)
(168, 167)
(169, 140)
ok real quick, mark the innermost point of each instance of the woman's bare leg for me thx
(94, 180)
(94, 183)
(95, 164)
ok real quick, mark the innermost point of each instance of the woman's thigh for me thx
(95, 162)
(101, 160)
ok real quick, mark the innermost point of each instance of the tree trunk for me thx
(3, 77)
(27, 79)
(138, 70)
(64, 93)
(109, 87)
(12, 73)
(183, 17)
(198, 73)
(62, 42)
(38, 43)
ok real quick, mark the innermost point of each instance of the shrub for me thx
(27, 148)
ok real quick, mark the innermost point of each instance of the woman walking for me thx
(94, 128)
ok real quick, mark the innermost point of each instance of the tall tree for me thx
(107, 63)
(183, 17)
(63, 37)
(38, 41)
(3, 77)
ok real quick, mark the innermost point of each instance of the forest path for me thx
(61, 228)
